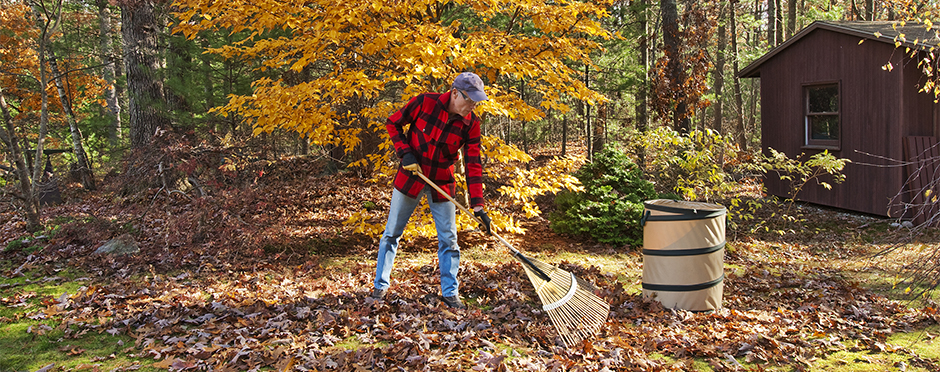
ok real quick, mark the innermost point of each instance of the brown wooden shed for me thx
(827, 88)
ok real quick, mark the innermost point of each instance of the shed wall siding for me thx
(873, 121)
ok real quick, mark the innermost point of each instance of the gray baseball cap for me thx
(472, 84)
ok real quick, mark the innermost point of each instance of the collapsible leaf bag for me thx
(683, 253)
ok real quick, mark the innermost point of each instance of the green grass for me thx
(36, 288)
(683, 365)
(735, 269)
(918, 342)
(898, 360)
(352, 343)
(29, 344)
(512, 352)
(886, 275)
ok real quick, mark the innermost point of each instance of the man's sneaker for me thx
(454, 302)
(379, 294)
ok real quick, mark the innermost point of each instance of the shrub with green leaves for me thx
(611, 205)
(694, 165)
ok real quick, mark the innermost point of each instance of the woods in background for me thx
(318, 78)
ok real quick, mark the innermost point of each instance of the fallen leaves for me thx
(261, 319)
(219, 297)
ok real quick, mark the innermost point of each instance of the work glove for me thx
(481, 215)
(410, 163)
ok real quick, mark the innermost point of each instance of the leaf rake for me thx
(575, 310)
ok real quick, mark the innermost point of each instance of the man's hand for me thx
(410, 163)
(481, 215)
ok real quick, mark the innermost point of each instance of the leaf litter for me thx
(239, 281)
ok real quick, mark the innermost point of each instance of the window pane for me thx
(824, 127)
(824, 99)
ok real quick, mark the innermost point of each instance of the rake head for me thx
(574, 309)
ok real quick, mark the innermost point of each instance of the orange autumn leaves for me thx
(19, 67)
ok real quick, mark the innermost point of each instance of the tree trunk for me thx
(81, 157)
(508, 131)
(587, 119)
(564, 134)
(146, 104)
(525, 137)
(702, 125)
(108, 72)
(230, 89)
(642, 94)
(47, 25)
(791, 18)
(771, 22)
(120, 87)
(720, 70)
(25, 193)
(739, 132)
(778, 23)
(597, 143)
(670, 17)
(44, 15)
(753, 95)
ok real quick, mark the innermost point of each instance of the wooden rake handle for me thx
(515, 251)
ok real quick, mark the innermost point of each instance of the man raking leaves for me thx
(441, 124)
(575, 310)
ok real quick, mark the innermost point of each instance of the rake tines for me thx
(574, 309)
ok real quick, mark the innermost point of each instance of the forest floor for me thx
(262, 274)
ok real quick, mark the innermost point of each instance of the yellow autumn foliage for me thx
(365, 58)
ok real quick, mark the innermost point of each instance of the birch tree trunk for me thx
(108, 72)
(587, 118)
(81, 157)
(47, 20)
(44, 15)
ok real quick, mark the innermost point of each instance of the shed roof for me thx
(913, 35)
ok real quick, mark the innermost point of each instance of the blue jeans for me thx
(448, 253)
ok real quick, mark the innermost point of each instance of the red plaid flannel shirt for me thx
(434, 137)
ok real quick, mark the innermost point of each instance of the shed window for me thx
(822, 115)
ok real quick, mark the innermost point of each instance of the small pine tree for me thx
(611, 205)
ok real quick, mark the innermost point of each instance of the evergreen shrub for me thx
(610, 206)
